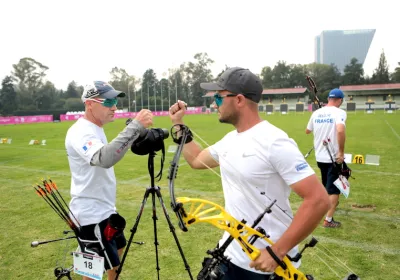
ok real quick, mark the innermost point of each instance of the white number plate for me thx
(88, 265)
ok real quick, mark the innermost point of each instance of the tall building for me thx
(340, 46)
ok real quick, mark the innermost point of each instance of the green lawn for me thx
(368, 242)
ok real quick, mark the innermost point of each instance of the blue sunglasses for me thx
(219, 99)
(109, 103)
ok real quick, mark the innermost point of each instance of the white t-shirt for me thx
(260, 159)
(323, 124)
(93, 189)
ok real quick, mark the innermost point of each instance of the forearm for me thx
(304, 222)
(195, 155)
(341, 136)
(114, 151)
(190, 152)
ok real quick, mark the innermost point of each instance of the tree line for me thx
(26, 91)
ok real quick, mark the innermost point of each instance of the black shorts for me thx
(237, 273)
(111, 247)
(329, 175)
(230, 271)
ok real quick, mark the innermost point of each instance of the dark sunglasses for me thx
(219, 99)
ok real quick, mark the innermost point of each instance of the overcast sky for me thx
(82, 40)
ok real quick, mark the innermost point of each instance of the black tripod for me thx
(153, 190)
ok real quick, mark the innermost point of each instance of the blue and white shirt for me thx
(323, 124)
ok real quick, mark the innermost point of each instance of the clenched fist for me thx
(145, 117)
(177, 111)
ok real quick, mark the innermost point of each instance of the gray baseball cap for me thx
(238, 80)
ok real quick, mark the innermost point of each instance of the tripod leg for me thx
(172, 229)
(153, 198)
(133, 231)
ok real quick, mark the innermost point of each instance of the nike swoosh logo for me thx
(248, 155)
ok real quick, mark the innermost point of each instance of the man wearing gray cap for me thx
(91, 159)
(257, 158)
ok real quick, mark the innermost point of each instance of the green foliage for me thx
(148, 87)
(323, 96)
(284, 76)
(353, 73)
(48, 96)
(294, 75)
(29, 75)
(72, 91)
(8, 97)
(266, 77)
(280, 75)
(121, 80)
(325, 76)
(198, 72)
(297, 74)
(395, 76)
(74, 104)
(381, 73)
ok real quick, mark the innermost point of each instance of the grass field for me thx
(368, 242)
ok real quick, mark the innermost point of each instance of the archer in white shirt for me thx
(91, 160)
(328, 125)
(256, 157)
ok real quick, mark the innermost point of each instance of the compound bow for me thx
(314, 90)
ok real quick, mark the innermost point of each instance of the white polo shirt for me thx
(323, 125)
(93, 189)
(260, 159)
